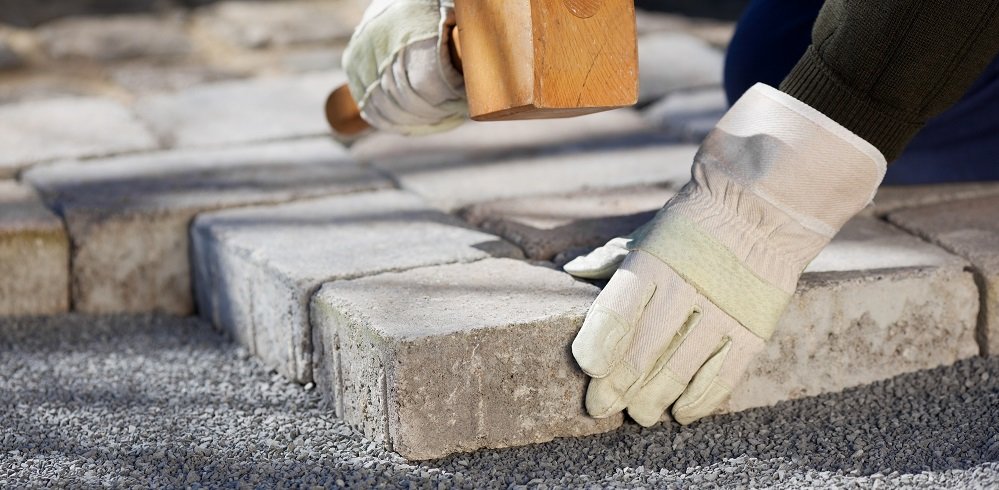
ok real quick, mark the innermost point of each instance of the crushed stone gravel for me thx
(155, 401)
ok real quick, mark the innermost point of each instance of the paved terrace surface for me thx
(162, 401)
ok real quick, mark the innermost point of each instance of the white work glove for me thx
(399, 68)
(703, 288)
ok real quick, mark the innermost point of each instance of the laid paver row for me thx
(127, 216)
(458, 357)
(404, 280)
(438, 359)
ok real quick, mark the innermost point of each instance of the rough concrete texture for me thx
(454, 358)
(486, 141)
(229, 113)
(258, 267)
(969, 228)
(115, 38)
(32, 132)
(545, 226)
(689, 115)
(893, 198)
(454, 186)
(165, 402)
(128, 217)
(34, 255)
(270, 24)
(874, 304)
(675, 61)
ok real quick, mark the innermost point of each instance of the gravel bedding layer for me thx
(154, 401)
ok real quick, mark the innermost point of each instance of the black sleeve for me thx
(882, 68)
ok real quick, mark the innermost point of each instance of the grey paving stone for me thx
(671, 61)
(115, 38)
(484, 141)
(128, 217)
(545, 226)
(256, 268)
(426, 381)
(37, 131)
(969, 228)
(875, 303)
(34, 255)
(237, 112)
(455, 358)
(688, 115)
(893, 198)
(270, 24)
(717, 33)
(144, 77)
(452, 186)
(40, 86)
(8, 56)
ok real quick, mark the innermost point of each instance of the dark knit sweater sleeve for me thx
(882, 68)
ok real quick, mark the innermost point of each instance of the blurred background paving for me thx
(169, 159)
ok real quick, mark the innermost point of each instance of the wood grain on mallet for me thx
(530, 59)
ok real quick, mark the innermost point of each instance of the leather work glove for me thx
(399, 67)
(705, 282)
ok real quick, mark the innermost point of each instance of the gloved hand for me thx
(399, 67)
(705, 284)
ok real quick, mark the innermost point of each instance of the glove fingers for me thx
(674, 370)
(714, 381)
(630, 378)
(705, 391)
(602, 262)
(610, 324)
(609, 395)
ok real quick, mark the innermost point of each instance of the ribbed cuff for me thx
(813, 83)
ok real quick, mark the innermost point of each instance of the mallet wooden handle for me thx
(342, 112)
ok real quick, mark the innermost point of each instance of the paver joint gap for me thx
(981, 323)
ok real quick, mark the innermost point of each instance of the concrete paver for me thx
(895, 197)
(274, 24)
(115, 38)
(485, 141)
(672, 61)
(689, 115)
(454, 358)
(34, 255)
(876, 304)
(451, 187)
(256, 268)
(239, 112)
(546, 226)
(37, 131)
(128, 217)
(969, 228)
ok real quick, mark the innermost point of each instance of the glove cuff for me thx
(771, 185)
